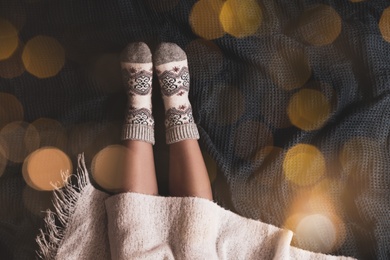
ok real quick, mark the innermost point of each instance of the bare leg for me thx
(138, 130)
(188, 174)
(140, 173)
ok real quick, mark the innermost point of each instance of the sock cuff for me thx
(181, 132)
(138, 132)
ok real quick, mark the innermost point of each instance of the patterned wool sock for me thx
(170, 62)
(137, 73)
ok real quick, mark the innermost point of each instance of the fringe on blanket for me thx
(64, 202)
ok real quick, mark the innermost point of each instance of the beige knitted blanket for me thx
(95, 225)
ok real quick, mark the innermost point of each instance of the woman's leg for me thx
(138, 130)
(188, 174)
(187, 171)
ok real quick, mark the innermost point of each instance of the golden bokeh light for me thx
(315, 222)
(51, 133)
(21, 140)
(43, 56)
(309, 109)
(210, 165)
(241, 18)
(361, 154)
(318, 231)
(13, 66)
(10, 109)
(108, 167)
(289, 68)
(3, 156)
(250, 137)
(384, 24)
(304, 164)
(320, 25)
(9, 39)
(47, 168)
(204, 19)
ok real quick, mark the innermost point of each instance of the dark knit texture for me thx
(240, 93)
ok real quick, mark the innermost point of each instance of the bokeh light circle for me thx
(108, 167)
(289, 68)
(241, 18)
(51, 133)
(384, 24)
(10, 109)
(204, 19)
(304, 164)
(21, 140)
(43, 56)
(318, 233)
(3, 156)
(9, 39)
(308, 109)
(47, 168)
(13, 66)
(320, 25)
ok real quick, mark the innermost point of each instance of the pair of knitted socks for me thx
(170, 64)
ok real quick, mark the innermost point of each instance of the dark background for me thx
(238, 106)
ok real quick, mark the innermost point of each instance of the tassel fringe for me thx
(64, 202)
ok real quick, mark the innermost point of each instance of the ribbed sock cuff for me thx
(138, 132)
(181, 132)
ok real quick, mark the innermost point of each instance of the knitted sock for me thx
(170, 62)
(137, 73)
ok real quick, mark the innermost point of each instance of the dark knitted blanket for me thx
(291, 99)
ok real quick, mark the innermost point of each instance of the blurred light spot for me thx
(107, 71)
(210, 165)
(43, 56)
(241, 18)
(208, 58)
(3, 156)
(315, 222)
(308, 109)
(37, 202)
(320, 25)
(304, 164)
(13, 66)
(9, 39)
(319, 230)
(90, 137)
(231, 107)
(51, 133)
(21, 140)
(290, 68)
(10, 109)
(360, 155)
(45, 167)
(204, 19)
(162, 5)
(384, 24)
(108, 167)
(250, 137)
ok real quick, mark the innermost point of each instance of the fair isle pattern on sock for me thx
(139, 122)
(174, 80)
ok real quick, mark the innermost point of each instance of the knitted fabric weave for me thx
(245, 92)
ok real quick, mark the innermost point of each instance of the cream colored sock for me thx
(137, 73)
(170, 62)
